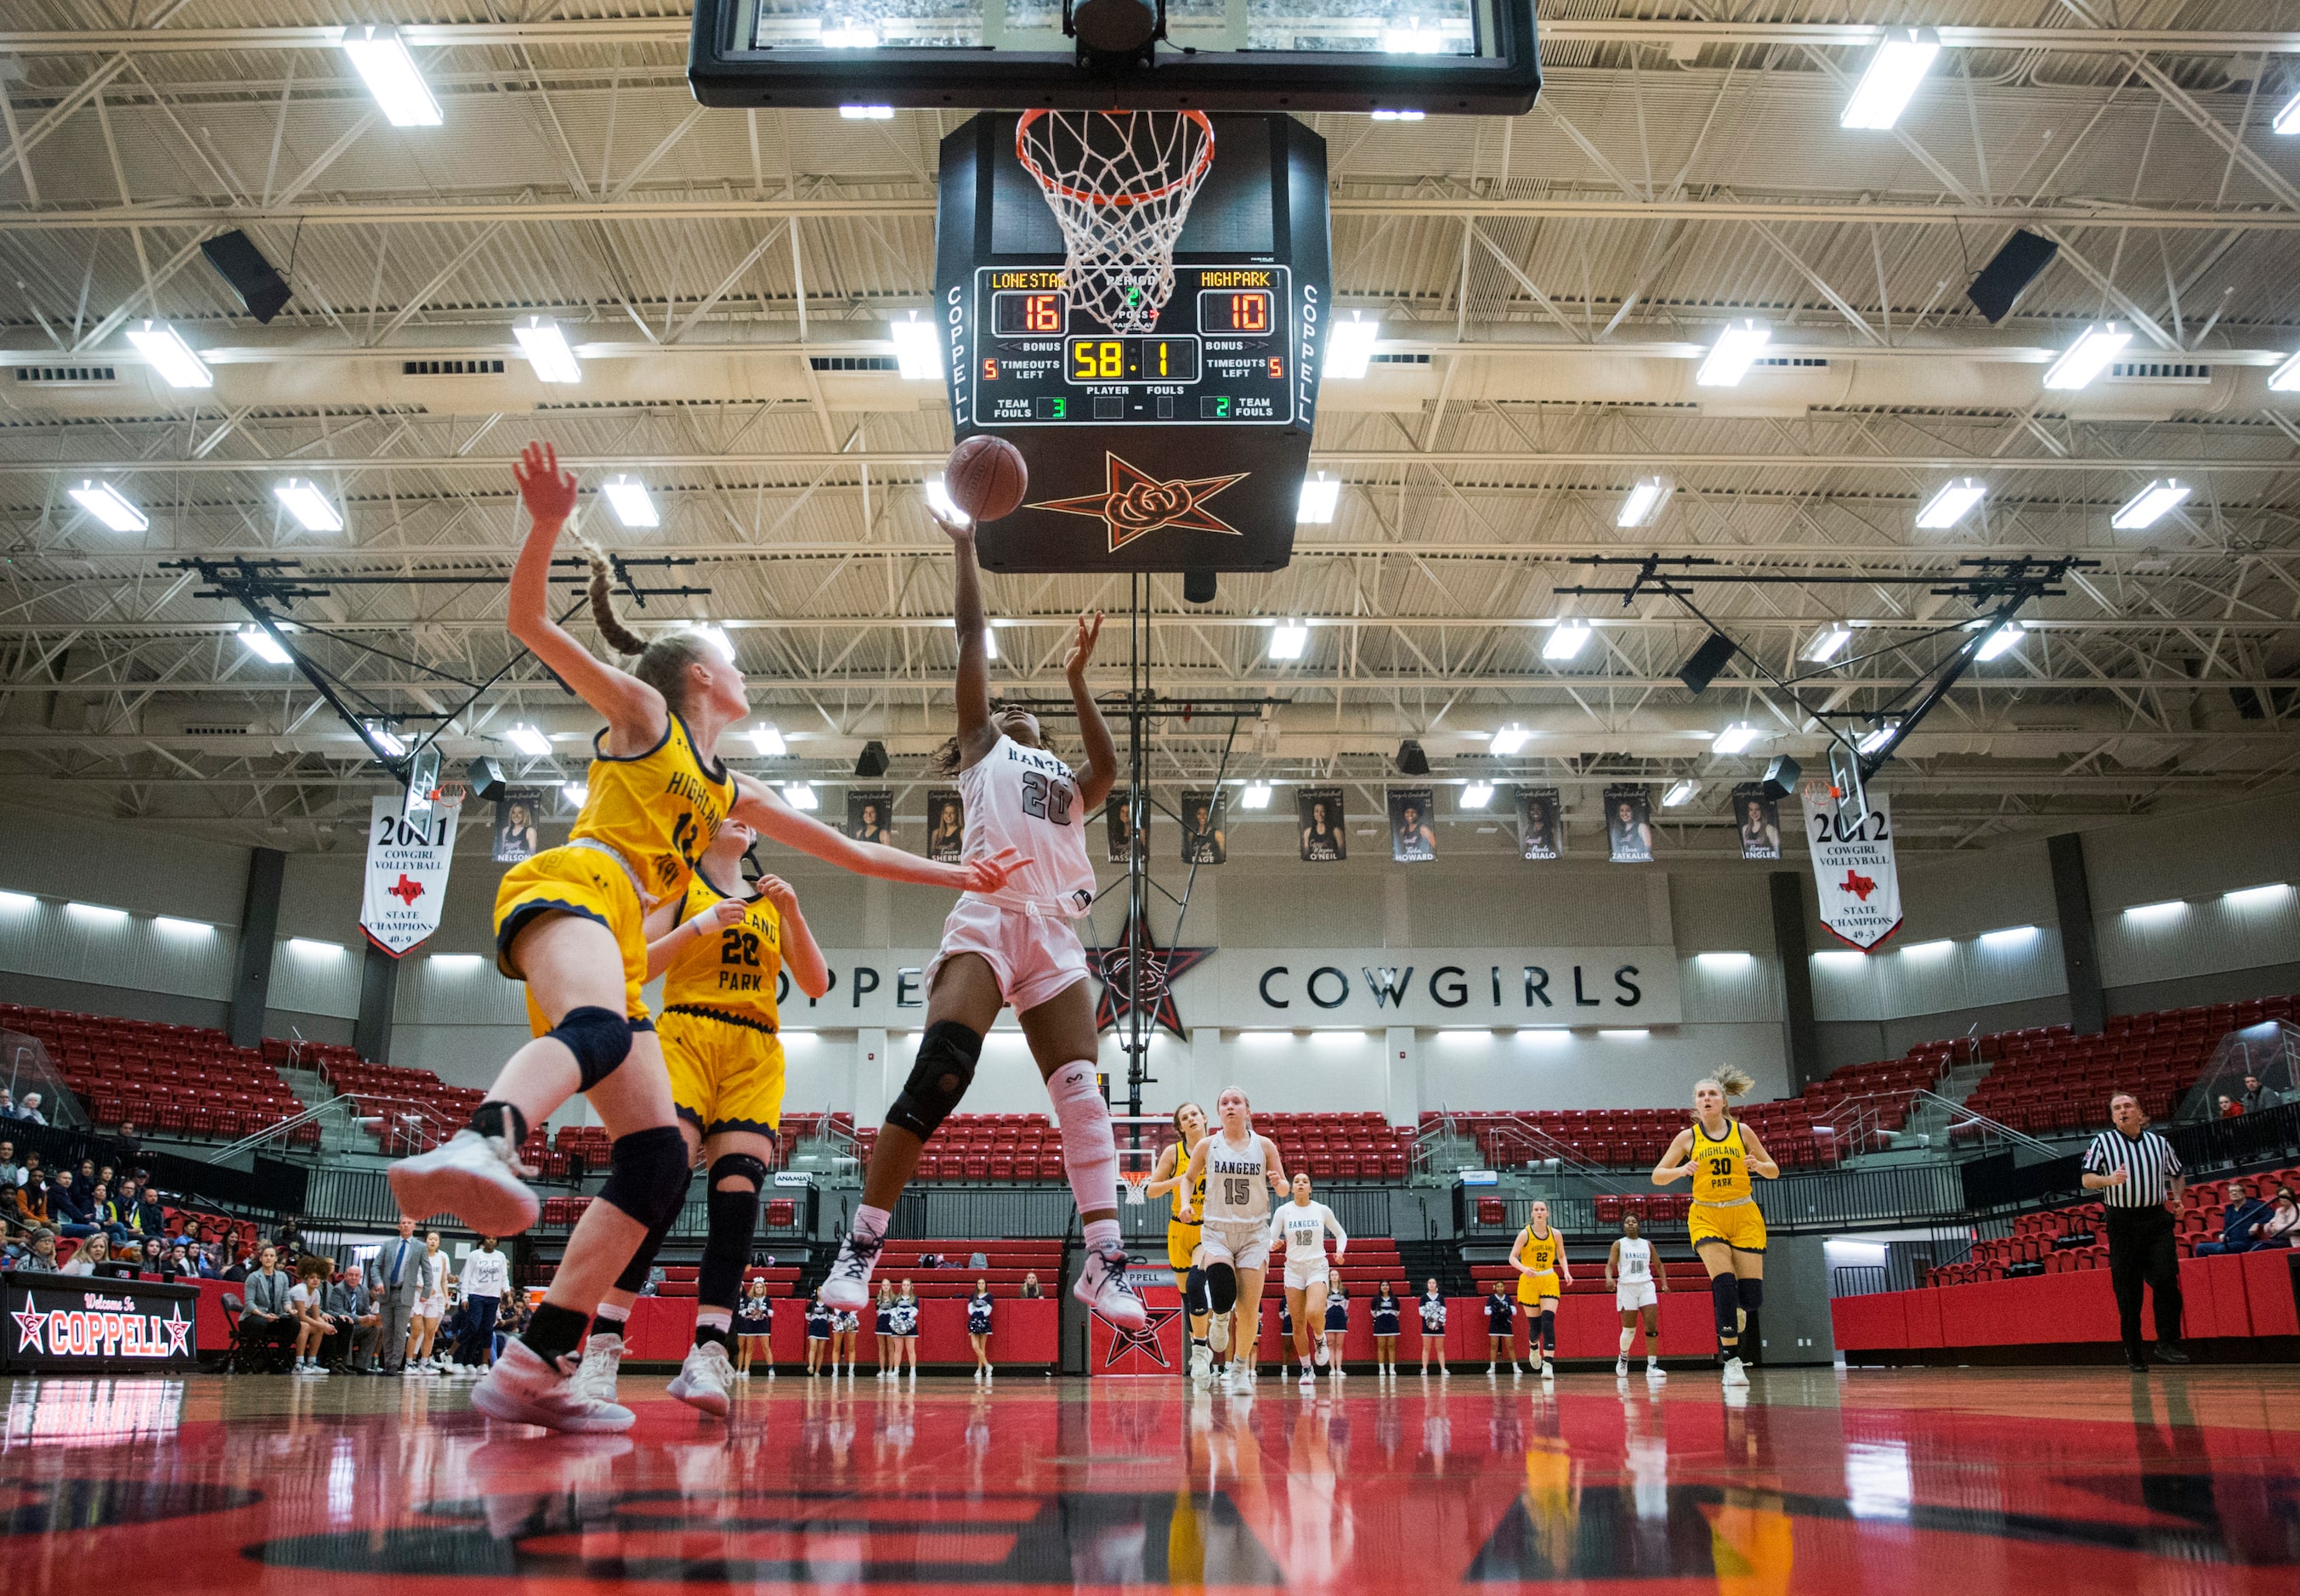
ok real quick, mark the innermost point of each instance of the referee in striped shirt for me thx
(2141, 1186)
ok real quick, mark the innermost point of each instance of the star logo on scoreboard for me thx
(1136, 503)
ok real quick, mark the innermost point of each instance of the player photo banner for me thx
(1629, 823)
(1540, 832)
(1206, 839)
(1758, 819)
(1853, 865)
(1113, 817)
(1325, 825)
(945, 825)
(406, 883)
(68, 1324)
(516, 836)
(871, 815)
(1411, 838)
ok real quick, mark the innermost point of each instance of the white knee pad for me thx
(1089, 1155)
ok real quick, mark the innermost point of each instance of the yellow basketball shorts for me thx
(1739, 1226)
(726, 1074)
(1182, 1245)
(1533, 1288)
(577, 881)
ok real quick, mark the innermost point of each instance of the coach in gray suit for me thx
(399, 1272)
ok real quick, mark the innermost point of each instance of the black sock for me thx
(500, 1119)
(704, 1334)
(553, 1332)
(609, 1322)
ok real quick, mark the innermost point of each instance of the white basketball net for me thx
(1120, 183)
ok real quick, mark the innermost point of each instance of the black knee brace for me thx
(647, 1175)
(733, 1216)
(1222, 1286)
(1725, 1295)
(1753, 1295)
(947, 1054)
(1194, 1291)
(1547, 1332)
(634, 1277)
(599, 1038)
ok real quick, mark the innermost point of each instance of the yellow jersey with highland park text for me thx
(659, 809)
(735, 971)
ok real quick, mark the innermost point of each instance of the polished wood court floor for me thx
(1931, 1481)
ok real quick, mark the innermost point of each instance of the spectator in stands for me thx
(179, 1262)
(238, 1271)
(126, 1145)
(13, 1250)
(28, 1110)
(11, 1172)
(1030, 1284)
(354, 1310)
(2229, 1107)
(288, 1238)
(2283, 1227)
(510, 1318)
(2142, 1186)
(43, 1253)
(148, 1220)
(36, 1172)
(94, 1254)
(68, 1205)
(2257, 1097)
(265, 1319)
(83, 1177)
(8, 1104)
(31, 1198)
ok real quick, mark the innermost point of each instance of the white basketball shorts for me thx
(1242, 1243)
(1034, 956)
(1300, 1276)
(1629, 1299)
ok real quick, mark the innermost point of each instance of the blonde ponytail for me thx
(1729, 1078)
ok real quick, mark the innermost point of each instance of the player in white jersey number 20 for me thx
(1241, 1171)
(1630, 1270)
(1302, 1224)
(1014, 946)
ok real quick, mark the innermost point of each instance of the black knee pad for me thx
(1753, 1295)
(1725, 1294)
(647, 1175)
(599, 1038)
(634, 1277)
(947, 1054)
(727, 1245)
(1222, 1286)
(1549, 1329)
(1194, 1291)
(741, 1165)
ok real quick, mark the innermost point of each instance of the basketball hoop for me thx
(1135, 1179)
(1120, 183)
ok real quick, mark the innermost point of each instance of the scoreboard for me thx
(1180, 448)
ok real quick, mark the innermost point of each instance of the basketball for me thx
(985, 478)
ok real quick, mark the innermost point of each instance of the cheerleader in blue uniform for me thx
(1433, 1329)
(819, 1321)
(1385, 1331)
(883, 1325)
(1337, 1319)
(1501, 1329)
(978, 1330)
(754, 1329)
(905, 1317)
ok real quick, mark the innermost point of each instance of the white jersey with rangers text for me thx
(1302, 1228)
(1636, 1266)
(1027, 799)
(1238, 1180)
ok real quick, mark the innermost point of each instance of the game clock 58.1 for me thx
(1152, 359)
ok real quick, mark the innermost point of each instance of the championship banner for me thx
(1540, 834)
(407, 875)
(1757, 817)
(1411, 839)
(870, 816)
(68, 1322)
(1204, 839)
(945, 825)
(1853, 866)
(1325, 825)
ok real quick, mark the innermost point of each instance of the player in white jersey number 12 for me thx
(1302, 1224)
(1016, 946)
(1241, 1170)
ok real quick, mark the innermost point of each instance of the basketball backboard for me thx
(1440, 57)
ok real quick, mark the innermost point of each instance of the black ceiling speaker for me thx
(257, 282)
(872, 760)
(2007, 276)
(1781, 778)
(1707, 660)
(1199, 587)
(485, 777)
(1411, 759)
(1113, 26)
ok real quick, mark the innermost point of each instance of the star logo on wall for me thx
(178, 1328)
(1160, 969)
(1144, 1341)
(28, 1325)
(1136, 503)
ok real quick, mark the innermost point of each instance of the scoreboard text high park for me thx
(1180, 448)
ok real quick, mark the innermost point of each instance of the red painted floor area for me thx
(1920, 1481)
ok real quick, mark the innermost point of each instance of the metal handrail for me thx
(1542, 1144)
(421, 1120)
(1961, 1117)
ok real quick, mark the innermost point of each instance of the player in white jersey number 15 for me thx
(1015, 945)
(1241, 1170)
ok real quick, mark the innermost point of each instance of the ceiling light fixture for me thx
(1826, 644)
(1902, 60)
(717, 638)
(2287, 119)
(867, 113)
(546, 350)
(309, 506)
(2002, 640)
(1872, 741)
(263, 644)
(2285, 378)
(385, 738)
(171, 356)
(1287, 639)
(2088, 357)
(2150, 505)
(768, 739)
(1565, 640)
(1646, 501)
(575, 792)
(1398, 116)
(629, 502)
(1257, 795)
(1510, 739)
(381, 59)
(1734, 738)
(916, 355)
(107, 504)
(939, 501)
(1952, 504)
(528, 741)
(800, 794)
(1320, 496)
(1680, 793)
(1477, 794)
(1349, 345)
(1728, 358)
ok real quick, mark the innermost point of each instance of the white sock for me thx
(870, 1223)
(1102, 1235)
(1089, 1155)
(715, 1318)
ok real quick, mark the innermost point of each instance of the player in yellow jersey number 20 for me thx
(569, 923)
